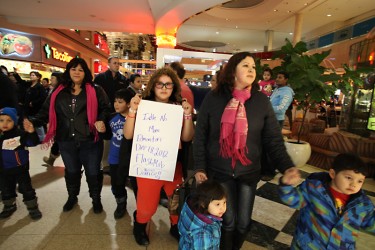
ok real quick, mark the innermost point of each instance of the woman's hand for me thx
(100, 126)
(200, 177)
(188, 109)
(291, 176)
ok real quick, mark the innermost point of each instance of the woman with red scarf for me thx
(234, 122)
(76, 111)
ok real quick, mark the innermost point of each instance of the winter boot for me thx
(73, 185)
(121, 208)
(49, 160)
(226, 240)
(34, 211)
(139, 232)
(69, 204)
(95, 187)
(174, 232)
(9, 208)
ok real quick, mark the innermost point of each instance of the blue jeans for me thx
(240, 203)
(76, 154)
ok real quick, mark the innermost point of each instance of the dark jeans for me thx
(240, 203)
(10, 179)
(76, 154)
(117, 182)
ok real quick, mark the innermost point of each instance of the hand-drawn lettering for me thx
(149, 117)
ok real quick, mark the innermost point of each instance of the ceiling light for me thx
(291, 33)
(329, 15)
(236, 27)
(227, 19)
(217, 32)
(306, 4)
(87, 39)
(275, 10)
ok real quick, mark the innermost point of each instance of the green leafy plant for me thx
(307, 77)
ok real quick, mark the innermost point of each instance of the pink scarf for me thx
(234, 126)
(92, 112)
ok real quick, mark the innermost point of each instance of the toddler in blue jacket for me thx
(200, 220)
(14, 164)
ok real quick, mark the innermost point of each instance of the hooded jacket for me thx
(281, 99)
(14, 151)
(197, 234)
(319, 225)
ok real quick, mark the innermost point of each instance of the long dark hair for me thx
(204, 194)
(67, 81)
(149, 93)
(226, 79)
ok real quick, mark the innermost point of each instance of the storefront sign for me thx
(56, 54)
(18, 45)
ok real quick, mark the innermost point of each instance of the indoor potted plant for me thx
(309, 80)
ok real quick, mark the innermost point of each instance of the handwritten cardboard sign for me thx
(156, 139)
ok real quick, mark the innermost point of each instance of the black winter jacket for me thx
(73, 125)
(263, 130)
(110, 84)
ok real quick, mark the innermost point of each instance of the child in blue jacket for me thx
(333, 207)
(200, 220)
(14, 164)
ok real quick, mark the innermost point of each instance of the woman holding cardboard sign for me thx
(163, 87)
(235, 122)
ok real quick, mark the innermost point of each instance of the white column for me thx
(269, 39)
(297, 28)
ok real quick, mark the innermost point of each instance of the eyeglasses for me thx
(167, 85)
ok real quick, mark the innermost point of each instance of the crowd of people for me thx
(91, 124)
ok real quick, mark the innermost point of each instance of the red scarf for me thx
(233, 132)
(92, 112)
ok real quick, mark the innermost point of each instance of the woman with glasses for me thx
(163, 87)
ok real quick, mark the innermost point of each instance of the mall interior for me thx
(148, 34)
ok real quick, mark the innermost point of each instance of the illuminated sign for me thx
(52, 52)
(166, 41)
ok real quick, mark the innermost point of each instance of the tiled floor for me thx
(82, 229)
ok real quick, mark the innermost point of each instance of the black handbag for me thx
(180, 194)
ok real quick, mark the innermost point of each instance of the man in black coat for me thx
(8, 95)
(110, 81)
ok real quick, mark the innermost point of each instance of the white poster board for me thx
(156, 139)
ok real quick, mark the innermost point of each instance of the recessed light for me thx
(291, 33)
(217, 32)
(329, 15)
(86, 38)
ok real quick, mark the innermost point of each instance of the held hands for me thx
(291, 176)
(28, 126)
(200, 177)
(188, 109)
(100, 126)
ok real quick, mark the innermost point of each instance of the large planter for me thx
(299, 152)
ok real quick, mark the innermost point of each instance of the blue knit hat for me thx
(11, 112)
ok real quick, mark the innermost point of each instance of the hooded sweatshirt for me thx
(281, 99)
